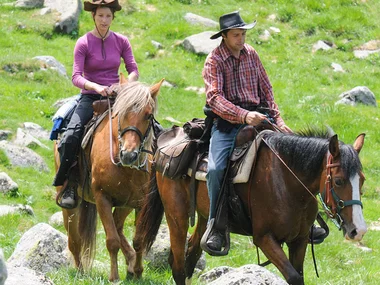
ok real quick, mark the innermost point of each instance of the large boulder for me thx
(42, 248)
(3, 268)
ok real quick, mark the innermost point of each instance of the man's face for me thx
(235, 39)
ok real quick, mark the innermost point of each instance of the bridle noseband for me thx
(331, 202)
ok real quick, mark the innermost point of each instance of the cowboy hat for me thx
(90, 6)
(232, 21)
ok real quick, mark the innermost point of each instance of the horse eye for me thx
(338, 182)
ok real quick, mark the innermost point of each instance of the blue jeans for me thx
(219, 152)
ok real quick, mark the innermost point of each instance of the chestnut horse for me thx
(118, 180)
(279, 199)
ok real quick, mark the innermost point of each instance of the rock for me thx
(199, 20)
(56, 219)
(23, 156)
(3, 268)
(6, 183)
(201, 43)
(29, 4)
(42, 248)
(248, 274)
(12, 209)
(359, 94)
(22, 275)
(337, 67)
(48, 61)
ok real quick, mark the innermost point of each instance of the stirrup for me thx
(68, 184)
(204, 239)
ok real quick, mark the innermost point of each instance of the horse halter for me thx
(331, 202)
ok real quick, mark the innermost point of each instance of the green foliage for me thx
(305, 86)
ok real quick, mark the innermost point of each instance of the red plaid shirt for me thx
(232, 84)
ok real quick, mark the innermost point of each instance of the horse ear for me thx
(122, 79)
(334, 146)
(156, 87)
(359, 142)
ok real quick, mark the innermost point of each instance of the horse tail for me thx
(150, 216)
(87, 232)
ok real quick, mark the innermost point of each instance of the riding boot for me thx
(68, 155)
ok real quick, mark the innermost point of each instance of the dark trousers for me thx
(69, 145)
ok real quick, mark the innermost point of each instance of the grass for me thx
(306, 89)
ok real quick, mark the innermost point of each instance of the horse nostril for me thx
(353, 233)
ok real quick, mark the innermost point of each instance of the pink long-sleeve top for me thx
(233, 85)
(91, 65)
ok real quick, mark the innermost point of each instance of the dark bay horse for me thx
(279, 199)
(119, 165)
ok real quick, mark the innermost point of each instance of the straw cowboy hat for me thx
(91, 5)
(232, 21)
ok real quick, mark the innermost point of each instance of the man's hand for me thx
(254, 118)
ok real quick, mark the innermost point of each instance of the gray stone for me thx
(359, 94)
(42, 248)
(29, 4)
(48, 61)
(6, 183)
(3, 268)
(199, 20)
(23, 156)
(22, 275)
(12, 209)
(159, 252)
(68, 14)
(248, 274)
(56, 219)
(201, 43)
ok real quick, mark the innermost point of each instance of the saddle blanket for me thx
(245, 168)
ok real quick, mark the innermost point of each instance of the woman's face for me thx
(103, 17)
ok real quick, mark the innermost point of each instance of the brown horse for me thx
(119, 173)
(279, 199)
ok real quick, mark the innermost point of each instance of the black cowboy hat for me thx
(232, 21)
(113, 4)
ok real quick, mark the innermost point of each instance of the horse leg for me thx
(104, 207)
(119, 216)
(273, 251)
(174, 200)
(297, 250)
(194, 250)
(71, 221)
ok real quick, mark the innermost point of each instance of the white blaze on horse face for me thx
(357, 213)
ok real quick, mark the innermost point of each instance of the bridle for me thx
(141, 161)
(331, 202)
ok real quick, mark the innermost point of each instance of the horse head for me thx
(134, 108)
(341, 189)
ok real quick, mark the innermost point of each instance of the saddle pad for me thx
(242, 174)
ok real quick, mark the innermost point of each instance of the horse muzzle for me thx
(354, 233)
(128, 158)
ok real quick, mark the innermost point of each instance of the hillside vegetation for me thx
(305, 85)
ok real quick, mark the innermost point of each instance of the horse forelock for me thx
(304, 151)
(133, 97)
